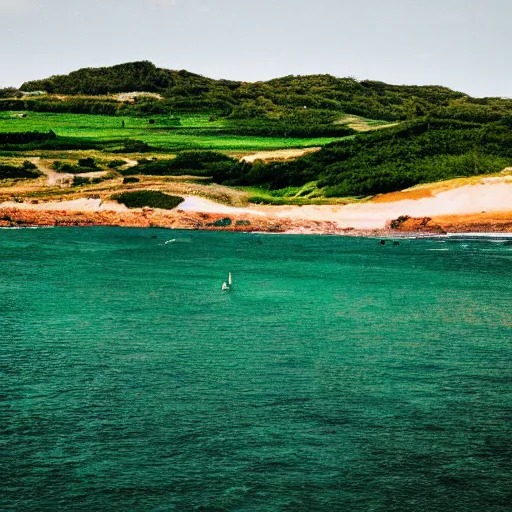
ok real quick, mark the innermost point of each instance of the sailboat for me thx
(226, 286)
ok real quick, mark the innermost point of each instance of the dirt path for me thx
(65, 180)
(129, 163)
(53, 178)
(93, 174)
(280, 154)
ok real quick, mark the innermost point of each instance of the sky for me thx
(461, 44)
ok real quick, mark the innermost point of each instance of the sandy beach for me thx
(492, 197)
(484, 205)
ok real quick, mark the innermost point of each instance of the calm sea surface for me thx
(338, 374)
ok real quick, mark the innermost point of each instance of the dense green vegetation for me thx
(413, 153)
(148, 198)
(9, 92)
(189, 163)
(420, 152)
(135, 76)
(114, 164)
(437, 133)
(25, 137)
(185, 91)
(78, 181)
(81, 168)
(290, 123)
(27, 170)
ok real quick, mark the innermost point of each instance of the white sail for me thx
(226, 285)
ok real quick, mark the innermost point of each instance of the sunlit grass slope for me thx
(195, 131)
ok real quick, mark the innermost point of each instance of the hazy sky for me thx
(463, 44)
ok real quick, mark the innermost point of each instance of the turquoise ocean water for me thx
(338, 374)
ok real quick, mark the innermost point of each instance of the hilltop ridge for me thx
(183, 89)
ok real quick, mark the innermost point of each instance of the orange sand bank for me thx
(484, 205)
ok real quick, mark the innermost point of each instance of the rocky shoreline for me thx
(492, 222)
(149, 218)
(178, 219)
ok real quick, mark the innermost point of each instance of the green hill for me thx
(133, 76)
(432, 133)
(185, 90)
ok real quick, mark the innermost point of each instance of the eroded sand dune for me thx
(470, 199)
(75, 205)
(486, 196)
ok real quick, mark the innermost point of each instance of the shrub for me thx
(73, 106)
(198, 159)
(9, 92)
(196, 163)
(131, 180)
(10, 171)
(116, 163)
(66, 168)
(11, 105)
(87, 162)
(79, 181)
(71, 169)
(133, 146)
(29, 165)
(25, 137)
(148, 198)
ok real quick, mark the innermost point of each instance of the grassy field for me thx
(194, 131)
(299, 196)
(168, 136)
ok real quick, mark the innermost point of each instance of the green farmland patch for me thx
(195, 131)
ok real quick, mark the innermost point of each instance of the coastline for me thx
(21, 216)
(179, 219)
(483, 206)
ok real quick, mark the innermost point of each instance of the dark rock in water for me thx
(396, 242)
(154, 237)
(222, 223)
(383, 242)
